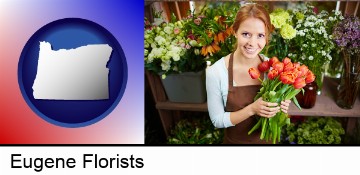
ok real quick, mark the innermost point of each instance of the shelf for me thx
(325, 104)
(182, 106)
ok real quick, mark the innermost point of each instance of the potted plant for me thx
(315, 130)
(195, 131)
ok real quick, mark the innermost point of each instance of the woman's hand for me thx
(285, 105)
(266, 109)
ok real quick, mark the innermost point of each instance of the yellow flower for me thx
(287, 31)
(299, 16)
(279, 18)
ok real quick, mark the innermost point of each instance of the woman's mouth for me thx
(250, 50)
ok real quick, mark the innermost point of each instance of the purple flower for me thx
(346, 34)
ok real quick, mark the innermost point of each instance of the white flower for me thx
(150, 58)
(323, 53)
(165, 65)
(337, 13)
(193, 43)
(168, 30)
(329, 57)
(311, 57)
(160, 40)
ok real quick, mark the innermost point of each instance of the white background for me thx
(184, 160)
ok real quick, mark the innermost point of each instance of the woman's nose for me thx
(251, 41)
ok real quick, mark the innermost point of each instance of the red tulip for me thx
(272, 74)
(279, 66)
(273, 60)
(296, 65)
(286, 60)
(303, 69)
(254, 73)
(299, 83)
(288, 67)
(297, 72)
(264, 66)
(287, 77)
(310, 77)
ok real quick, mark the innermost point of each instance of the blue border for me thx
(117, 49)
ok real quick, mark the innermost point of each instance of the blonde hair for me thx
(255, 11)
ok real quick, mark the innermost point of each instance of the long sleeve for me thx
(216, 96)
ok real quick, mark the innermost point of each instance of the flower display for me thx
(211, 28)
(284, 31)
(305, 36)
(347, 37)
(283, 82)
(185, 45)
(164, 45)
(346, 34)
(313, 42)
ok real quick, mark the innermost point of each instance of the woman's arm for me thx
(216, 107)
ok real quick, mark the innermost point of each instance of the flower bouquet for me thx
(347, 37)
(211, 28)
(283, 82)
(283, 33)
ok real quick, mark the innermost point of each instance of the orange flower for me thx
(221, 37)
(279, 66)
(296, 65)
(297, 72)
(254, 73)
(287, 77)
(264, 66)
(210, 49)
(288, 67)
(229, 31)
(299, 83)
(310, 77)
(303, 69)
(272, 74)
(273, 60)
(286, 60)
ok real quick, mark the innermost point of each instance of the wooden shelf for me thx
(325, 104)
(182, 106)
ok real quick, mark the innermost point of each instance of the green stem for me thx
(257, 125)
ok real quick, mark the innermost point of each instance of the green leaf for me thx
(292, 94)
(296, 102)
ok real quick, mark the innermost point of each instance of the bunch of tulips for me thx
(284, 80)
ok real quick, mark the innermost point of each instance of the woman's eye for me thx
(246, 35)
(261, 36)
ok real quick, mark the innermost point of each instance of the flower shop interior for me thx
(183, 38)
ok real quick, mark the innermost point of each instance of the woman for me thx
(230, 89)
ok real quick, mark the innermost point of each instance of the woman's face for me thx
(251, 37)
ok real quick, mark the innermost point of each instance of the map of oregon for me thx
(72, 74)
